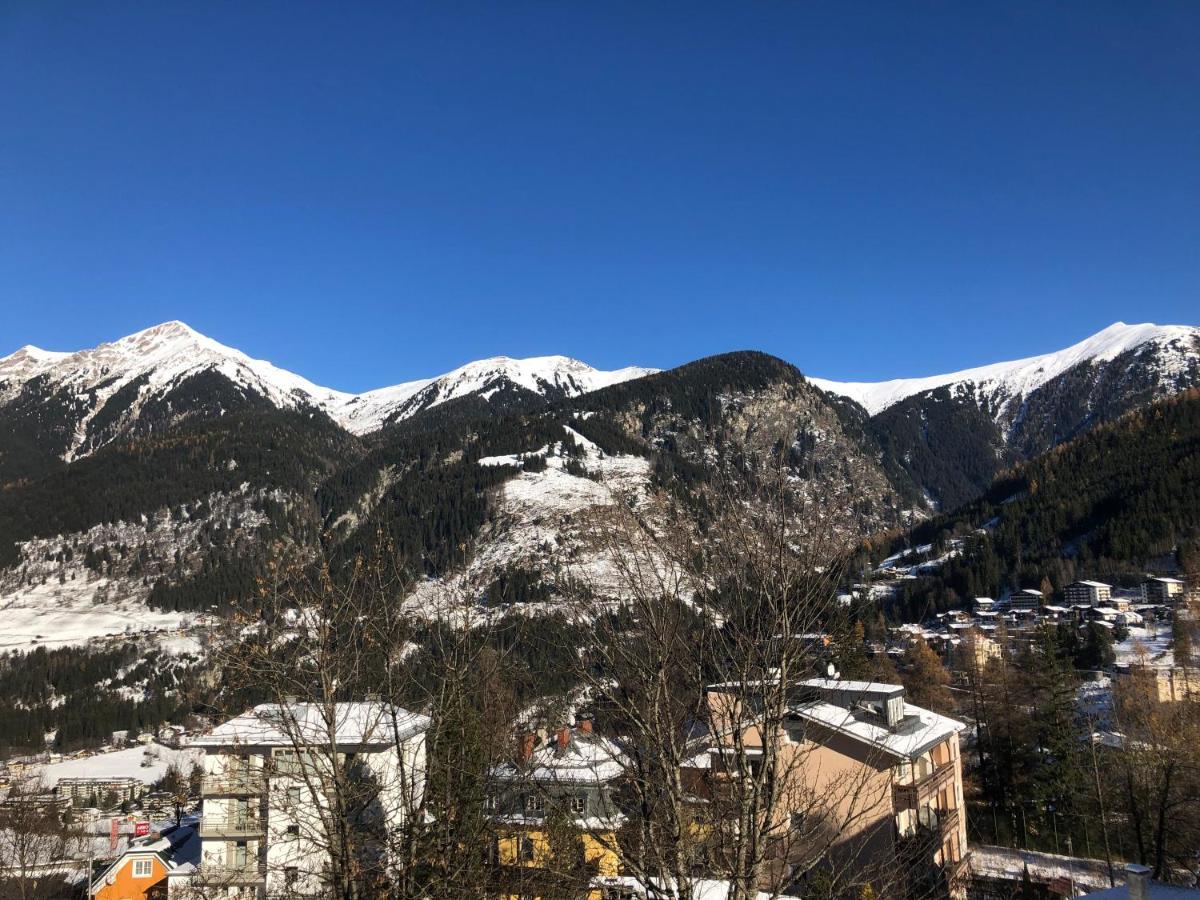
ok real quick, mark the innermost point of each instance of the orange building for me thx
(147, 866)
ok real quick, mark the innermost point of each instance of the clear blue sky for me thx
(369, 192)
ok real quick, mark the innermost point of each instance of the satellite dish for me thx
(831, 670)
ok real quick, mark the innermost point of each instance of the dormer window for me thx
(579, 804)
(535, 803)
(143, 868)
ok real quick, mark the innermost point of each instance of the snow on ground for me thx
(1007, 863)
(146, 763)
(546, 520)
(1150, 643)
(74, 613)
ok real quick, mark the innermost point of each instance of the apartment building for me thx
(267, 782)
(1164, 590)
(1026, 599)
(107, 793)
(1087, 593)
(569, 779)
(868, 777)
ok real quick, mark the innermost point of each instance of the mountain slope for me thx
(951, 434)
(1113, 503)
(58, 407)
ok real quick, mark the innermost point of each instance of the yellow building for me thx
(555, 812)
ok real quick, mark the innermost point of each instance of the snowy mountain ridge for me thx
(1005, 383)
(150, 363)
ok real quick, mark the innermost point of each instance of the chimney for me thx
(525, 749)
(585, 725)
(1137, 881)
(564, 737)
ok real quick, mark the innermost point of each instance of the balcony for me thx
(948, 820)
(233, 873)
(234, 827)
(241, 784)
(916, 794)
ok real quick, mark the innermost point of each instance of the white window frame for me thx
(138, 864)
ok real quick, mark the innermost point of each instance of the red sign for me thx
(141, 829)
(113, 832)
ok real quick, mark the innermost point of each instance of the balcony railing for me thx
(913, 794)
(233, 873)
(233, 827)
(236, 785)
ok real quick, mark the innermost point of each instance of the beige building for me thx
(868, 778)
(1087, 593)
(1164, 590)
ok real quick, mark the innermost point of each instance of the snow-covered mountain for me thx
(951, 434)
(1174, 350)
(85, 399)
(553, 377)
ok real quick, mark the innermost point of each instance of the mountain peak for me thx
(1015, 378)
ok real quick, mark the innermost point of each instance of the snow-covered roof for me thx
(919, 730)
(702, 888)
(587, 758)
(178, 848)
(276, 725)
(873, 688)
(1166, 580)
(1092, 584)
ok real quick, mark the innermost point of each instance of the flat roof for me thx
(279, 725)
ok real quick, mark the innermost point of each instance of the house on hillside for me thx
(268, 777)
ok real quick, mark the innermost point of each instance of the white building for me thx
(1088, 593)
(268, 777)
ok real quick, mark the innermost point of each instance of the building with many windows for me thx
(268, 779)
(1087, 593)
(866, 776)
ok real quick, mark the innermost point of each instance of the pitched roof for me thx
(587, 758)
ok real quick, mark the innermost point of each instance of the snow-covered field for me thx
(145, 763)
(1150, 644)
(59, 615)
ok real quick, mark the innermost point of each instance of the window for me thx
(143, 868)
(294, 830)
(290, 875)
(293, 796)
(535, 803)
(489, 803)
(579, 804)
(525, 848)
(797, 821)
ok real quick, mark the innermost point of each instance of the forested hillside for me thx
(1110, 504)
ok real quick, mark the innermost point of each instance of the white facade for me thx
(268, 778)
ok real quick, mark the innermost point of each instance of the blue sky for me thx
(370, 192)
